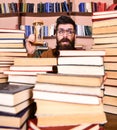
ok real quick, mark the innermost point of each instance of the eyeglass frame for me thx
(69, 32)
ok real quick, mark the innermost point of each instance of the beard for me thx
(69, 46)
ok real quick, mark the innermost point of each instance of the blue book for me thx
(27, 30)
(46, 7)
(82, 7)
(31, 7)
(57, 7)
(51, 7)
(66, 6)
(45, 31)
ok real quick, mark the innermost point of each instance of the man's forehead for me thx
(65, 26)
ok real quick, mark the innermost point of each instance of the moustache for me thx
(64, 40)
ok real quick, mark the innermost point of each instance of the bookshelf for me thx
(24, 18)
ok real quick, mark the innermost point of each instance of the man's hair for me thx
(65, 20)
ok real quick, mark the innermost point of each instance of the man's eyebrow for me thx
(67, 28)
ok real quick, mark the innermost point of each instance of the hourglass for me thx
(38, 32)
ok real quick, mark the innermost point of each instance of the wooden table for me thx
(112, 122)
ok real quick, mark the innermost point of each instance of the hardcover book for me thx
(53, 108)
(74, 89)
(35, 61)
(66, 97)
(81, 53)
(80, 80)
(17, 120)
(12, 94)
(71, 119)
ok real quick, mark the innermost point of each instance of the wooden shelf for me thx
(44, 14)
(81, 14)
(10, 14)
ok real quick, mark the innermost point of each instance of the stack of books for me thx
(11, 46)
(71, 97)
(16, 107)
(24, 70)
(105, 38)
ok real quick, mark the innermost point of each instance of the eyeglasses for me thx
(68, 32)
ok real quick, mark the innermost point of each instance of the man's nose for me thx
(65, 34)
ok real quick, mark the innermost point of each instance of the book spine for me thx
(82, 7)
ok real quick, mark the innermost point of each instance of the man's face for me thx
(65, 37)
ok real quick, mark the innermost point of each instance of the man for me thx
(65, 31)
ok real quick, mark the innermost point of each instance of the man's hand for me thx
(30, 47)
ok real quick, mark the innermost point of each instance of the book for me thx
(112, 6)
(4, 80)
(110, 100)
(16, 120)
(12, 94)
(111, 74)
(7, 58)
(88, 7)
(28, 73)
(110, 109)
(66, 79)
(110, 66)
(81, 53)
(3, 68)
(74, 89)
(104, 23)
(81, 69)
(7, 30)
(101, 6)
(105, 40)
(104, 30)
(23, 127)
(104, 35)
(82, 7)
(66, 6)
(71, 119)
(3, 75)
(112, 82)
(82, 60)
(22, 79)
(35, 61)
(12, 50)
(17, 108)
(110, 59)
(104, 45)
(16, 41)
(110, 90)
(104, 15)
(11, 45)
(53, 108)
(11, 35)
(14, 54)
(109, 51)
(31, 68)
(66, 97)
(6, 63)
